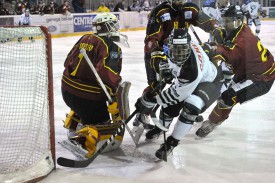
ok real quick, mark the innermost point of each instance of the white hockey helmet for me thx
(106, 24)
(179, 48)
(176, 4)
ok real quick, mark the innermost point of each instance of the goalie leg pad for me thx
(71, 121)
(92, 137)
(112, 146)
(106, 131)
(123, 100)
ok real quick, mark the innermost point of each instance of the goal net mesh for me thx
(24, 102)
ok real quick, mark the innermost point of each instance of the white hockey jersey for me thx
(252, 8)
(182, 88)
(25, 20)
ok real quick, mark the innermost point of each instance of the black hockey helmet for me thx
(233, 11)
(179, 48)
(232, 17)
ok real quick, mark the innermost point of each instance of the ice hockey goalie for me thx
(83, 141)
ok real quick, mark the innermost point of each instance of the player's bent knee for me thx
(229, 97)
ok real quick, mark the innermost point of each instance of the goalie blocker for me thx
(105, 131)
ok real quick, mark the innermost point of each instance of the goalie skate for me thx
(75, 148)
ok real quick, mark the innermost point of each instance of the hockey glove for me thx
(145, 103)
(165, 72)
(263, 14)
(157, 56)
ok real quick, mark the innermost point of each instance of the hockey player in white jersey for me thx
(25, 18)
(197, 84)
(251, 10)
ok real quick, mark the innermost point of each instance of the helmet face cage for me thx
(179, 48)
(106, 24)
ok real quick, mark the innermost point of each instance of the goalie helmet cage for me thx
(27, 145)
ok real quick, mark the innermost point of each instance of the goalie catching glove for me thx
(145, 103)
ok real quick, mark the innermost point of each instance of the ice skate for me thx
(75, 147)
(153, 133)
(206, 128)
(166, 148)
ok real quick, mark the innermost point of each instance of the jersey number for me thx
(80, 56)
(176, 25)
(262, 50)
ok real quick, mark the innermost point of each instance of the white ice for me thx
(242, 150)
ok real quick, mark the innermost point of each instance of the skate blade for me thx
(76, 151)
(137, 133)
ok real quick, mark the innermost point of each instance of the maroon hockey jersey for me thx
(106, 57)
(163, 19)
(246, 55)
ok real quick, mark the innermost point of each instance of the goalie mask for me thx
(179, 48)
(176, 4)
(106, 24)
(232, 18)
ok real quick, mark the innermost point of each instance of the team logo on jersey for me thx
(165, 17)
(188, 15)
(114, 54)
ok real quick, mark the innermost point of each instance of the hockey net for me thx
(27, 150)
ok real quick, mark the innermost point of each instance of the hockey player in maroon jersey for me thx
(252, 64)
(197, 84)
(80, 89)
(162, 20)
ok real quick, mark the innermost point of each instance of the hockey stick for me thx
(164, 136)
(195, 34)
(157, 123)
(83, 52)
(84, 163)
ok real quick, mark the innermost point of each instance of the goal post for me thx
(27, 145)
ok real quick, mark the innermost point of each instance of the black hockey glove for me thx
(165, 72)
(157, 56)
(145, 103)
(263, 14)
